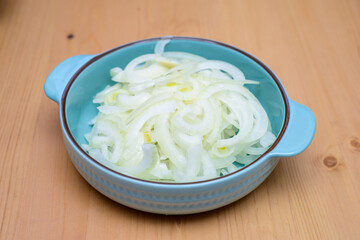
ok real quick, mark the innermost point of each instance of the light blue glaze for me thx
(170, 198)
(60, 76)
(299, 134)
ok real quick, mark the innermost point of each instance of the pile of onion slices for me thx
(177, 117)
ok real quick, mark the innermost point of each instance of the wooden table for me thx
(312, 45)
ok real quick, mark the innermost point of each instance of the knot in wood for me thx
(355, 143)
(330, 161)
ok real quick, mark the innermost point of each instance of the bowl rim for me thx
(99, 56)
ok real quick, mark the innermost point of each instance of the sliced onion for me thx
(109, 129)
(185, 141)
(215, 132)
(160, 108)
(243, 114)
(183, 56)
(193, 162)
(203, 127)
(110, 109)
(149, 161)
(150, 102)
(177, 117)
(132, 102)
(166, 144)
(260, 122)
(268, 139)
(130, 73)
(160, 45)
(230, 69)
(208, 169)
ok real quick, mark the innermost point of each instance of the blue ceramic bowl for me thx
(75, 81)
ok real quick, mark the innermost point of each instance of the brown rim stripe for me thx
(277, 81)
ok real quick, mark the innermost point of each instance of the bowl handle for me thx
(299, 133)
(59, 77)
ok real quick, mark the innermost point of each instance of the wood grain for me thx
(312, 45)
